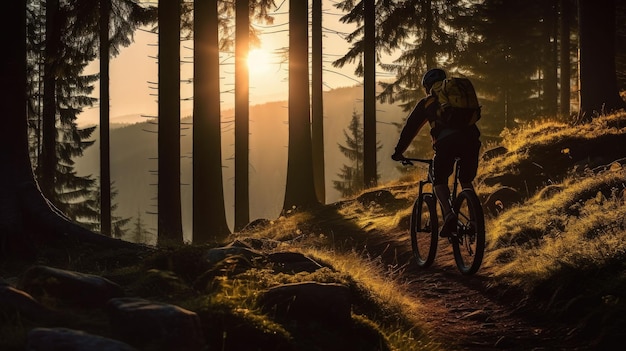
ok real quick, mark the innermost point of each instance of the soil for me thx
(468, 313)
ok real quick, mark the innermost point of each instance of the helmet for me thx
(432, 76)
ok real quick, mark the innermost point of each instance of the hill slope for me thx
(134, 149)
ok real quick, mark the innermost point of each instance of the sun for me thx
(259, 61)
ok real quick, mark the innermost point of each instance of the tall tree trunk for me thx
(598, 79)
(369, 94)
(565, 69)
(209, 213)
(170, 229)
(317, 100)
(550, 86)
(22, 205)
(429, 29)
(105, 157)
(300, 188)
(242, 101)
(48, 163)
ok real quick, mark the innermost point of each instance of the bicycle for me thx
(468, 239)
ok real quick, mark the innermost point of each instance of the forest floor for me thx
(470, 313)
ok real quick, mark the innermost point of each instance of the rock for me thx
(216, 255)
(155, 326)
(292, 262)
(256, 224)
(74, 287)
(494, 152)
(60, 339)
(380, 197)
(13, 301)
(326, 303)
(502, 199)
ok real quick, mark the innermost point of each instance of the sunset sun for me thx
(259, 61)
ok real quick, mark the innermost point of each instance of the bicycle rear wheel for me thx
(424, 230)
(469, 243)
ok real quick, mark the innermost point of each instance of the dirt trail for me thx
(464, 313)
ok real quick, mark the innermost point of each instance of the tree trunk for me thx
(317, 100)
(170, 229)
(300, 188)
(551, 58)
(565, 76)
(598, 79)
(105, 158)
(209, 213)
(369, 95)
(23, 208)
(48, 162)
(242, 101)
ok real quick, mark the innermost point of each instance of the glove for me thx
(397, 157)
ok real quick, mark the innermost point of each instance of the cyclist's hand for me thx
(397, 157)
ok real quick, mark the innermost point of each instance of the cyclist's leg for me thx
(442, 192)
(469, 162)
(443, 163)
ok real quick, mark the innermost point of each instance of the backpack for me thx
(458, 103)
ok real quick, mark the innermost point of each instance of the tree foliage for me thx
(351, 179)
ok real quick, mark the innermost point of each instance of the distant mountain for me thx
(134, 152)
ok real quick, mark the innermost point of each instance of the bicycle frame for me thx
(468, 241)
(429, 178)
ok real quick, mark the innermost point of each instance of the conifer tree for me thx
(93, 219)
(25, 210)
(300, 187)
(351, 176)
(170, 228)
(58, 92)
(242, 118)
(317, 100)
(209, 213)
(140, 233)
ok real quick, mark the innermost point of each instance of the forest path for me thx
(467, 312)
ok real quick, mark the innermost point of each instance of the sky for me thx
(133, 74)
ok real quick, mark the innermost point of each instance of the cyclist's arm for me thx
(414, 123)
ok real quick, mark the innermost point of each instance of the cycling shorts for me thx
(462, 144)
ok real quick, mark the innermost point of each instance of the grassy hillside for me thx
(556, 239)
(556, 248)
(564, 244)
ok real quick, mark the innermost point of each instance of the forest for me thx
(550, 76)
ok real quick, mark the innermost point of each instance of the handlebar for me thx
(409, 161)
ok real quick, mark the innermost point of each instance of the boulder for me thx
(60, 339)
(305, 302)
(155, 326)
(292, 262)
(17, 301)
(77, 288)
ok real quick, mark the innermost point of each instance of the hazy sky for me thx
(134, 72)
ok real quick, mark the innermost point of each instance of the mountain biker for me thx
(448, 143)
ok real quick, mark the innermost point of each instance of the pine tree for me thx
(59, 90)
(170, 228)
(140, 233)
(209, 213)
(351, 176)
(92, 220)
(300, 187)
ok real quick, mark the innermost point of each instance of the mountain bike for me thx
(468, 239)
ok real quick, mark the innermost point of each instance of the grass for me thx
(563, 246)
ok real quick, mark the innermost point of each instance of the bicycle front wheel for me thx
(469, 243)
(424, 230)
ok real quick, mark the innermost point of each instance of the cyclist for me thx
(448, 143)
